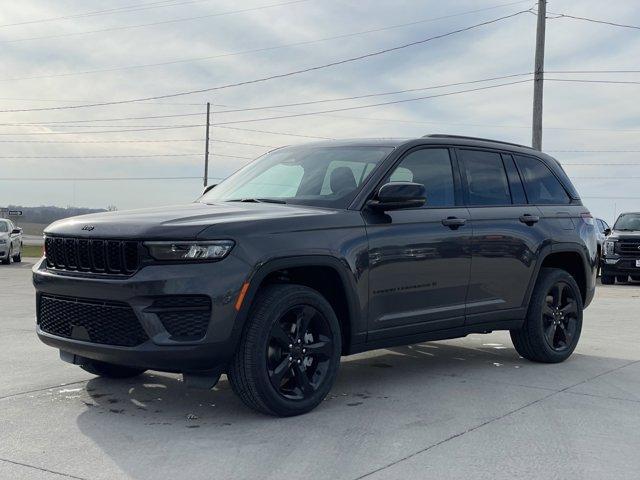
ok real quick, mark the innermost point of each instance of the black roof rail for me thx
(463, 137)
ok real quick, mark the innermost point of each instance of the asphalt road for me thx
(461, 409)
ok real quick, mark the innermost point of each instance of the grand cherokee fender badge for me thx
(88, 228)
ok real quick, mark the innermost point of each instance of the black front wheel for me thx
(289, 353)
(554, 320)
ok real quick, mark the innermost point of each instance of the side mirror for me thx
(16, 231)
(607, 231)
(208, 187)
(397, 195)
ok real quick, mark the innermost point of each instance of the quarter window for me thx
(487, 182)
(541, 185)
(432, 168)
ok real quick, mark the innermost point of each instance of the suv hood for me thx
(181, 222)
(624, 235)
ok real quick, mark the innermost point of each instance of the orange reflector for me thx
(243, 292)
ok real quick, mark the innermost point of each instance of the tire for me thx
(7, 261)
(608, 279)
(109, 370)
(18, 258)
(270, 366)
(547, 335)
(622, 278)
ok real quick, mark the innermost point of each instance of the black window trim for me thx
(524, 183)
(457, 183)
(498, 152)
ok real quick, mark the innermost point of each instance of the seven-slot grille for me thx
(628, 247)
(108, 323)
(114, 257)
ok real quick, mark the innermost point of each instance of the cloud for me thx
(504, 113)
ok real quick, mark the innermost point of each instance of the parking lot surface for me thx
(465, 408)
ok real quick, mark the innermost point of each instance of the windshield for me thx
(628, 221)
(305, 175)
(4, 227)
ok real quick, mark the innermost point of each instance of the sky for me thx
(71, 52)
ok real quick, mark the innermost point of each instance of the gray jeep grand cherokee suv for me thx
(321, 250)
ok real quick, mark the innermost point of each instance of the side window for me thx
(600, 225)
(432, 168)
(487, 182)
(541, 185)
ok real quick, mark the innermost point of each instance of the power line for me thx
(591, 71)
(263, 49)
(93, 179)
(174, 140)
(249, 109)
(593, 151)
(79, 157)
(316, 137)
(394, 102)
(577, 80)
(97, 156)
(135, 128)
(277, 76)
(95, 13)
(593, 20)
(163, 22)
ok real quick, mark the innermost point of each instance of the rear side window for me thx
(541, 185)
(487, 182)
(432, 168)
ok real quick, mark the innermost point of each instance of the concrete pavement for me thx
(467, 408)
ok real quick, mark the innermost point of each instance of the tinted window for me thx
(4, 227)
(487, 182)
(304, 175)
(432, 168)
(359, 170)
(540, 184)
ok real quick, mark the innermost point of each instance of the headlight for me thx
(609, 247)
(190, 251)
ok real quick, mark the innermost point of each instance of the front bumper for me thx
(220, 281)
(620, 265)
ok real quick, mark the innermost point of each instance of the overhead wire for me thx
(277, 76)
(261, 49)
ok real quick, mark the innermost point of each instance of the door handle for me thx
(529, 219)
(453, 222)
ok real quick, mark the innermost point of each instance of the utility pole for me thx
(206, 150)
(538, 78)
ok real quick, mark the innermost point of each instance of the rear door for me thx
(545, 191)
(419, 258)
(505, 235)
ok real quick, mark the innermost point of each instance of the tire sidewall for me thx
(288, 299)
(535, 314)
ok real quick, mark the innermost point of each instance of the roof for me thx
(437, 139)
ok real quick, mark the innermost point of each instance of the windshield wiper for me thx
(258, 200)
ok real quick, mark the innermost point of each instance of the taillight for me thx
(587, 218)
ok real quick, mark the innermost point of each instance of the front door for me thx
(419, 258)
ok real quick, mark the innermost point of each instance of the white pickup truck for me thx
(10, 242)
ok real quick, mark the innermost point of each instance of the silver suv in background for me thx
(10, 242)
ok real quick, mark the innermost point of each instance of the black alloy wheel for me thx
(289, 351)
(560, 317)
(299, 352)
(552, 326)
